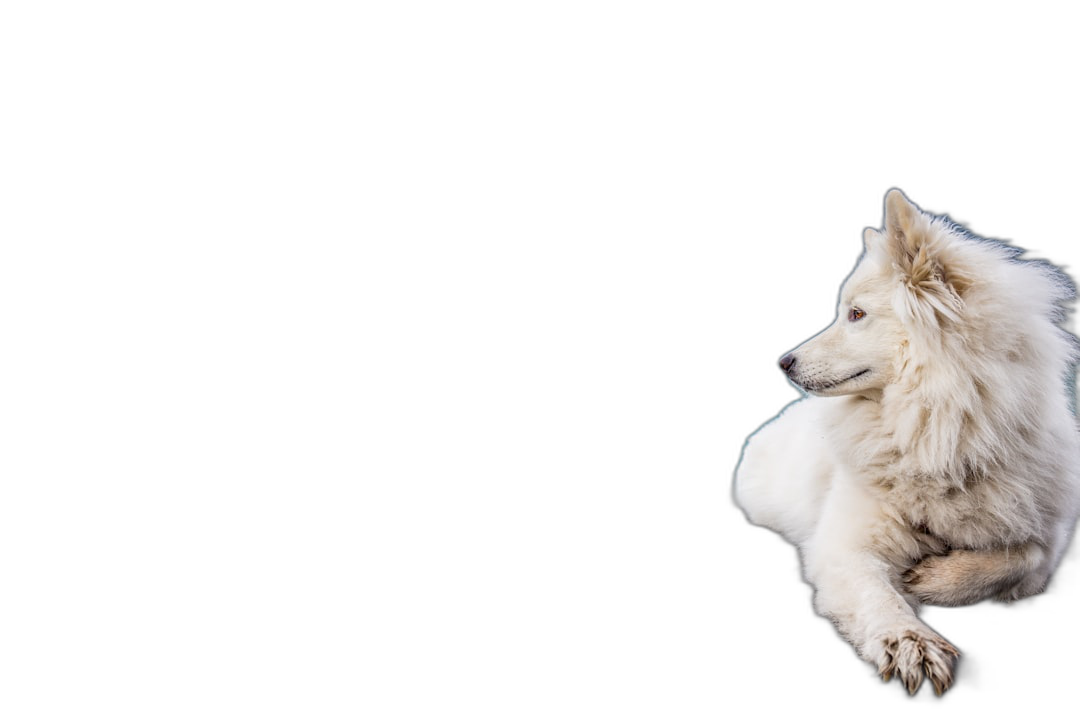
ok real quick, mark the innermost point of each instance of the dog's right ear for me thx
(870, 238)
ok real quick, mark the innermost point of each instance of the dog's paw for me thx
(962, 577)
(933, 580)
(912, 654)
(958, 578)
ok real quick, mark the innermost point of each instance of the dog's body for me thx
(938, 459)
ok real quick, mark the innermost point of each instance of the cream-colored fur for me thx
(936, 459)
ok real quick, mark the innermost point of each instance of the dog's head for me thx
(907, 280)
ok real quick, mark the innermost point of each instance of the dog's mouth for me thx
(820, 387)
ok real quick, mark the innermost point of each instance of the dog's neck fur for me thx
(957, 411)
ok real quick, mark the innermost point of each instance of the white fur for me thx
(936, 459)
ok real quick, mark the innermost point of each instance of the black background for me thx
(713, 271)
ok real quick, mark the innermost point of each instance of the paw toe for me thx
(913, 657)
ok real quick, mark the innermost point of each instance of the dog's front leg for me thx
(852, 562)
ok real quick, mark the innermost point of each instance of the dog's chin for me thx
(845, 385)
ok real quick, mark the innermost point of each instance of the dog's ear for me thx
(934, 283)
(907, 239)
(901, 231)
(870, 238)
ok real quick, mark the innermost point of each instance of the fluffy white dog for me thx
(937, 459)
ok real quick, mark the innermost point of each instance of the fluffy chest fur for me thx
(966, 502)
(981, 513)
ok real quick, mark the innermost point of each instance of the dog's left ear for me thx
(922, 257)
(901, 233)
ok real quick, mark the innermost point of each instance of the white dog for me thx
(937, 459)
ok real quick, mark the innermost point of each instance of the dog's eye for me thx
(855, 314)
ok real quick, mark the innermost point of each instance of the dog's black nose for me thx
(787, 362)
